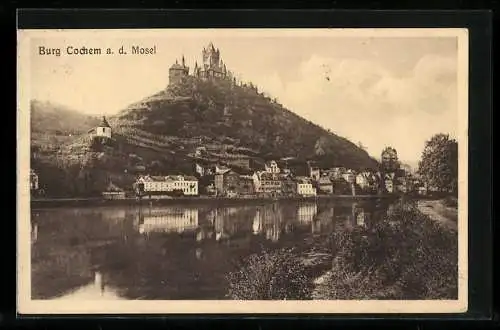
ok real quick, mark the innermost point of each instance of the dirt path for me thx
(438, 212)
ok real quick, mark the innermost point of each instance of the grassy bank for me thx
(405, 256)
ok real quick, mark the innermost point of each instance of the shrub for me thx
(405, 256)
(275, 275)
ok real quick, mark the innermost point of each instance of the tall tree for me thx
(439, 164)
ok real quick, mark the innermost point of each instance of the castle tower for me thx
(212, 63)
(177, 72)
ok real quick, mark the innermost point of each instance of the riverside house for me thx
(325, 185)
(232, 183)
(313, 170)
(305, 187)
(272, 167)
(113, 192)
(365, 180)
(226, 181)
(349, 176)
(164, 185)
(266, 183)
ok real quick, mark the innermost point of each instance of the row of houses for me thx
(271, 181)
(338, 180)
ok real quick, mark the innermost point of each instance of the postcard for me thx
(215, 171)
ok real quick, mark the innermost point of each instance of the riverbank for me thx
(407, 256)
(438, 211)
(86, 202)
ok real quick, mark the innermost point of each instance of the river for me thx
(171, 252)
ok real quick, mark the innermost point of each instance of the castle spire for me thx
(183, 61)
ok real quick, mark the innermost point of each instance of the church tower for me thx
(103, 130)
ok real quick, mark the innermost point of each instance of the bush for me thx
(275, 275)
(405, 256)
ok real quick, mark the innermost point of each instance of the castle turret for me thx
(178, 71)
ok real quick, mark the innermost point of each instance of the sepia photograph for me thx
(242, 171)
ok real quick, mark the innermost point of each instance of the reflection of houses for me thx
(188, 185)
(169, 220)
(323, 220)
(272, 217)
(257, 224)
(306, 212)
(325, 185)
(267, 220)
(113, 215)
(305, 187)
(34, 233)
(360, 216)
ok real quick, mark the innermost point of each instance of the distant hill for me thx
(48, 117)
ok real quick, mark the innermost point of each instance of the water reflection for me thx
(168, 220)
(171, 252)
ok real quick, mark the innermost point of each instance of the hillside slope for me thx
(235, 118)
(164, 132)
(48, 117)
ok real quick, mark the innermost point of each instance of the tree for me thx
(439, 164)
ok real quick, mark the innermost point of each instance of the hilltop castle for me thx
(213, 67)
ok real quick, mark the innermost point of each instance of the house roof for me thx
(303, 179)
(325, 180)
(222, 169)
(265, 175)
(104, 122)
(269, 163)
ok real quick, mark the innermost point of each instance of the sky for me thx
(377, 90)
